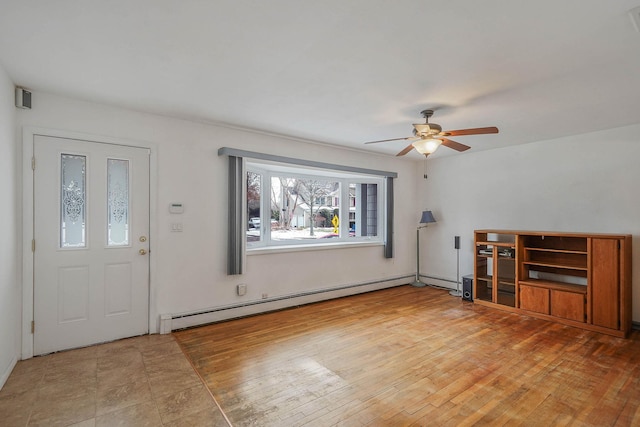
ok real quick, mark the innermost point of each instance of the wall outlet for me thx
(242, 289)
(265, 296)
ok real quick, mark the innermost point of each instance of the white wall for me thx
(585, 183)
(190, 267)
(10, 301)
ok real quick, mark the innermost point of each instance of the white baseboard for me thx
(5, 374)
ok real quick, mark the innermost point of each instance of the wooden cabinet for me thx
(534, 298)
(568, 305)
(577, 279)
(555, 299)
(606, 283)
(495, 269)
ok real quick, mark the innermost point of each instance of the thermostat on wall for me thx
(176, 208)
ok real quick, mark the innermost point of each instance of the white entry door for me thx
(91, 229)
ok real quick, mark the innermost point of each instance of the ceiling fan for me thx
(429, 136)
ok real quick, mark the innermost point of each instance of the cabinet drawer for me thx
(535, 299)
(568, 305)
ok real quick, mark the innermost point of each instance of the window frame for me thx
(269, 170)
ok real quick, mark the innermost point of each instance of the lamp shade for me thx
(427, 217)
(427, 145)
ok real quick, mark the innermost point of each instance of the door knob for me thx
(142, 252)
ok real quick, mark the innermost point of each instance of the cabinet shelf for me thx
(576, 266)
(501, 282)
(560, 251)
(506, 298)
(500, 244)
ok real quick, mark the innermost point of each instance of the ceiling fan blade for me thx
(474, 131)
(405, 151)
(392, 139)
(453, 144)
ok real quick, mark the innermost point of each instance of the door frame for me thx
(28, 135)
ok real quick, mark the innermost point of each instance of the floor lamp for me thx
(427, 217)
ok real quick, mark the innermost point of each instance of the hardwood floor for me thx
(414, 356)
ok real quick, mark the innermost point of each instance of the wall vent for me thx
(23, 98)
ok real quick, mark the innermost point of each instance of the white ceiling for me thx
(340, 71)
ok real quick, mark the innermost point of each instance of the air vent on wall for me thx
(23, 98)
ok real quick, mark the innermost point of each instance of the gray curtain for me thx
(235, 251)
(388, 238)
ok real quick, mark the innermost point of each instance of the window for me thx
(374, 202)
(290, 205)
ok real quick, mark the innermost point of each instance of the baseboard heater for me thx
(172, 322)
(440, 279)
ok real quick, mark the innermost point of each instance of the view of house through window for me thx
(287, 205)
(254, 181)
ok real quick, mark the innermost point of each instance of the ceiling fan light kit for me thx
(427, 145)
(429, 136)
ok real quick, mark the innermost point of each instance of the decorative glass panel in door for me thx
(72, 201)
(117, 202)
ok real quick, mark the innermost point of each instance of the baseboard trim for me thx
(217, 314)
(5, 374)
(439, 282)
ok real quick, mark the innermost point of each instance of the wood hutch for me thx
(578, 279)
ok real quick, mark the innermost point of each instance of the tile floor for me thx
(141, 381)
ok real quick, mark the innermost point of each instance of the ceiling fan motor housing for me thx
(425, 129)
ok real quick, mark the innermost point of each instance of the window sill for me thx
(313, 247)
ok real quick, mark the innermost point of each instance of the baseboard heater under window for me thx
(172, 322)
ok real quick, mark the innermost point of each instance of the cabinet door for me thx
(567, 305)
(535, 299)
(605, 283)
